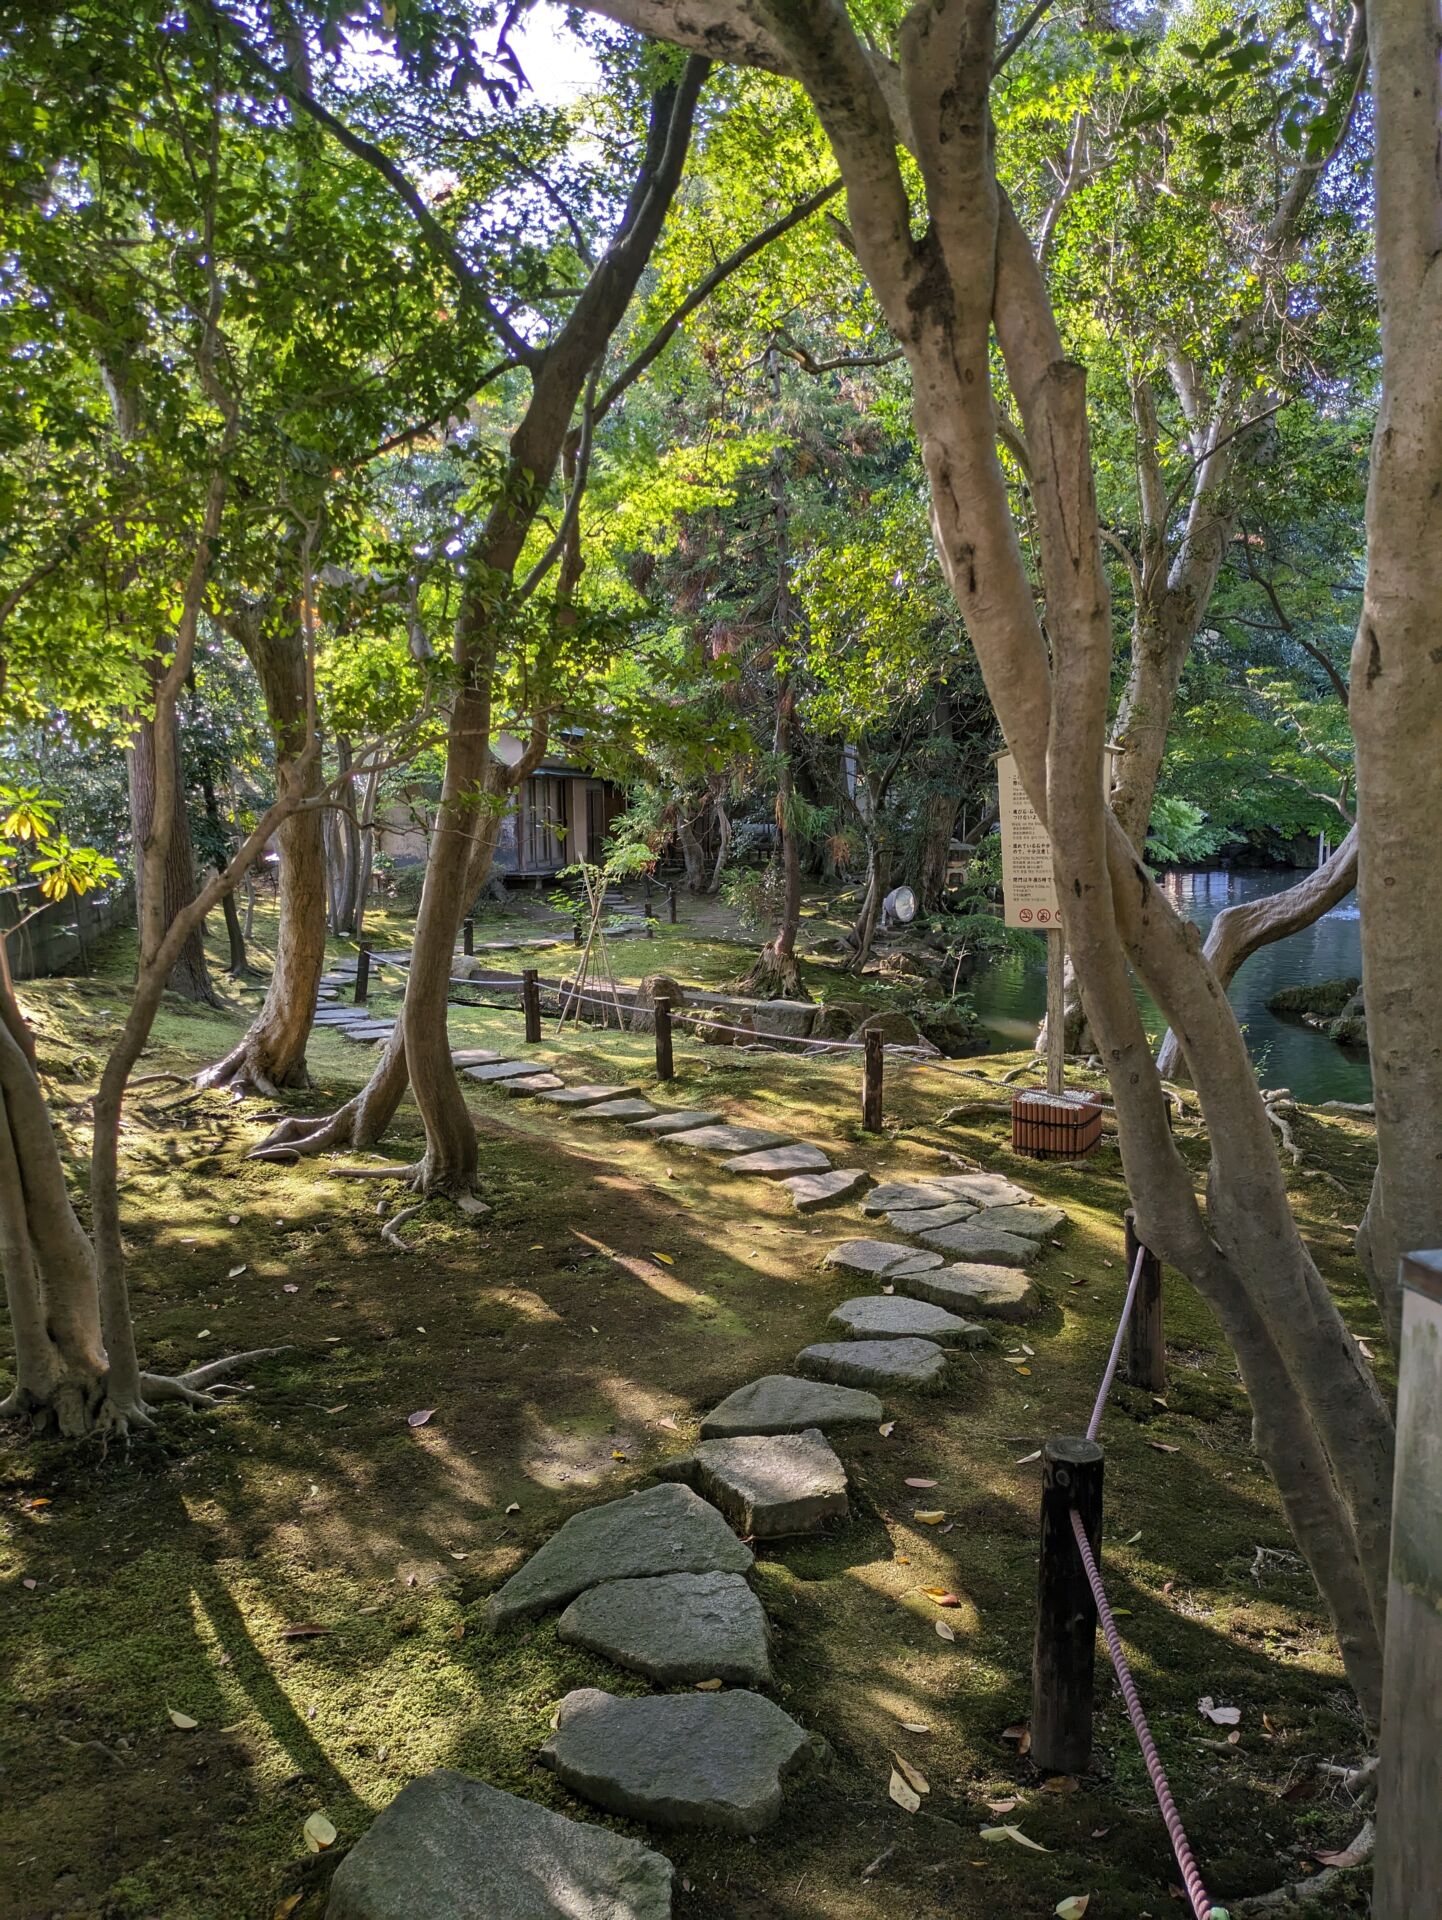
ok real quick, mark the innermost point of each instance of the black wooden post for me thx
(362, 974)
(531, 1004)
(1146, 1356)
(665, 1064)
(468, 935)
(671, 905)
(1066, 1617)
(872, 1061)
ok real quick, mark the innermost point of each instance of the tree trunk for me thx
(692, 854)
(878, 883)
(723, 844)
(1396, 680)
(239, 967)
(176, 875)
(271, 1054)
(1240, 931)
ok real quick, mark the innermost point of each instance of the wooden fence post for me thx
(1066, 1618)
(665, 1063)
(1409, 1788)
(1146, 1358)
(362, 974)
(872, 1063)
(531, 1004)
(671, 905)
(468, 935)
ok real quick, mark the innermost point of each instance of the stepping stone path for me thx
(676, 1122)
(474, 1056)
(532, 1083)
(680, 1760)
(881, 1257)
(919, 1364)
(927, 1219)
(769, 1485)
(452, 1848)
(628, 1109)
(1033, 1223)
(676, 1629)
(728, 1139)
(905, 1193)
(974, 1240)
(780, 1403)
(370, 1030)
(774, 1161)
(666, 1529)
(810, 1192)
(584, 1096)
(996, 1293)
(500, 1070)
(883, 1316)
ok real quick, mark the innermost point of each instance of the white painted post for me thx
(1409, 1787)
(1055, 1010)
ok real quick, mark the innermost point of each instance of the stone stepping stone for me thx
(531, 1083)
(973, 1240)
(905, 1193)
(983, 1189)
(995, 1293)
(918, 1219)
(369, 1030)
(680, 1759)
(1032, 1223)
(780, 1403)
(631, 1109)
(880, 1257)
(340, 1017)
(676, 1629)
(883, 1316)
(589, 1096)
(728, 1139)
(500, 1070)
(666, 1529)
(810, 1192)
(676, 1122)
(920, 1364)
(452, 1848)
(801, 1158)
(768, 1485)
(474, 1056)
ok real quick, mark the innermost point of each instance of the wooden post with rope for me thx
(1146, 1361)
(665, 1062)
(531, 1004)
(1064, 1654)
(362, 974)
(872, 1068)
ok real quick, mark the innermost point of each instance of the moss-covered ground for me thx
(302, 1574)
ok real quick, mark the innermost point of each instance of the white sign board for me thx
(1028, 887)
(1026, 877)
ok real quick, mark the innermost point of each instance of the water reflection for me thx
(1010, 993)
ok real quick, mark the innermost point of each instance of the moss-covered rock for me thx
(1325, 998)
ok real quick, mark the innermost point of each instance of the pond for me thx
(1010, 993)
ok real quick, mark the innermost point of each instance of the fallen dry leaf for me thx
(708, 1686)
(234, 1219)
(419, 1417)
(235, 1272)
(1353, 1856)
(1219, 1716)
(287, 1906)
(305, 1631)
(1027, 1459)
(319, 1833)
(1021, 1734)
(1163, 1446)
(945, 1629)
(1060, 1783)
(930, 1516)
(181, 1720)
(886, 1429)
(941, 1596)
(665, 1258)
(913, 1726)
(668, 1421)
(902, 1794)
(1013, 1833)
(913, 1776)
(1002, 1806)
(1073, 1907)
(515, 1507)
(888, 1289)
(921, 1483)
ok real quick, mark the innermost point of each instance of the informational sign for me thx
(1027, 884)
(1028, 888)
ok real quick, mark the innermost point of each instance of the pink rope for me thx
(1196, 1892)
(1094, 1425)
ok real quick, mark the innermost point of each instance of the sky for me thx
(555, 62)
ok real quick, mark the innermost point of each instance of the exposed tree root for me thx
(80, 1413)
(774, 977)
(1298, 1896)
(390, 1232)
(303, 1135)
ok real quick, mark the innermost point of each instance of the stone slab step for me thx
(775, 1161)
(666, 1529)
(918, 1364)
(928, 1219)
(892, 1316)
(675, 1628)
(811, 1192)
(1032, 1223)
(718, 1760)
(973, 1240)
(728, 1139)
(452, 1848)
(501, 1070)
(632, 1108)
(983, 1189)
(780, 1403)
(586, 1096)
(771, 1485)
(992, 1293)
(369, 1030)
(905, 1193)
(881, 1257)
(527, 1083)
(474, 1056)
(341, 1017)
(676, 1122)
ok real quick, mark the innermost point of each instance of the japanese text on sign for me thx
(1026, 876)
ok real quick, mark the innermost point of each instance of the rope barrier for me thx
(1196, 1891)
(1094, 1426)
